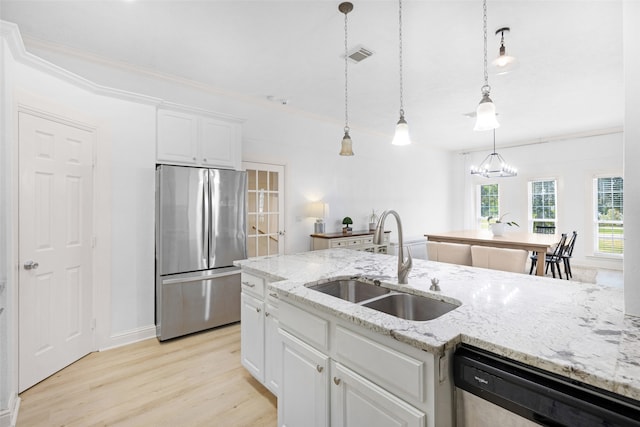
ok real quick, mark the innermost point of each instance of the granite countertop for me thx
(574, 329)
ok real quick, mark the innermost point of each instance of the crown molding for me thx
(11, 34)
(555, 138)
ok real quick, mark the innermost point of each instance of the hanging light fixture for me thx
(346, 146)
(401, 136)
(486, 112)
(494, 166)
(503, 63)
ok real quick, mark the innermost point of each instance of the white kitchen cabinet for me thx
(259, 338)
(355, 401)
(252, 336)
(304, 390)
(272, 344)
(375, 380)
(188, 138)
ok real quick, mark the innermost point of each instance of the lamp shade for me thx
(401, 136)
(486, 115)
(346, 147)
(319, 210)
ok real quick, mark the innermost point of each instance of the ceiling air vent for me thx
(358, 54)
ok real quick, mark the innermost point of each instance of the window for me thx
(489, 204)
(608, 221)
(542, 206)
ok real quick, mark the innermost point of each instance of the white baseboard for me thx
(9, 417)
(129, 337)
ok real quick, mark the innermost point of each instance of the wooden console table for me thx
(357, 240)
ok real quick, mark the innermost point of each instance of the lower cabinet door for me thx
(252, 336)
(272, 363)
(355, 401)
(304, 388)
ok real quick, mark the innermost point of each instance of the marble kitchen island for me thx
(572, 329)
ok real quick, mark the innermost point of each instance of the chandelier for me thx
(494, 165)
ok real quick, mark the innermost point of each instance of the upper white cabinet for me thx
(199, 138)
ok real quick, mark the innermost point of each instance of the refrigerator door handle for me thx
(206, 221)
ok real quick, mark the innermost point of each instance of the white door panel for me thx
(55, 225)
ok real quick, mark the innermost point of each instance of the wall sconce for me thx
(320, 211)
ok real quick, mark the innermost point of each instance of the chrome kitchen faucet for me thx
(403, 267)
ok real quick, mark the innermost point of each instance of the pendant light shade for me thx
(401, 137)
(346, 147)
(486, 112)
(504, 63)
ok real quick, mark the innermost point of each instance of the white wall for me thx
(573, 163)
(631, 37)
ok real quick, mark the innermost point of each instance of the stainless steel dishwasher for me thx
(495, 391)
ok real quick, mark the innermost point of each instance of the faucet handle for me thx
(409, 262)
(434, 285)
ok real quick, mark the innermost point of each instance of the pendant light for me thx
(401, 136)
(504, 63)
(486, 112)
(346, 146)
(494, 166)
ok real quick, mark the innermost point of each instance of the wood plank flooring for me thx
(191, 381)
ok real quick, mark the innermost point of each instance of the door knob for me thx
(31, 265)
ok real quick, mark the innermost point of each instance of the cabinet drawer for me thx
(308, 327)
(399, 373)
(252, 284)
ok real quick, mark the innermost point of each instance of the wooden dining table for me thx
(534, 242)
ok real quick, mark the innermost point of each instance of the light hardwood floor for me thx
(191, 381)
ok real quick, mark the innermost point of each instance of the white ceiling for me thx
(569, 79)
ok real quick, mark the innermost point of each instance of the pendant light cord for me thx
(346, 91)
(494, 141)
(484, 28)
(400, 55)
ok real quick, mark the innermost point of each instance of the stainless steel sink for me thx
(350, 290)
(411, 307)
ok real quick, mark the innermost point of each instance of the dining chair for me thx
(452, 253)
(568, 253)
(553, 258)
(513, 260)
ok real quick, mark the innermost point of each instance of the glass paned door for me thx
(265, 207)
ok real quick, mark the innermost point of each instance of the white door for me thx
(55, 236)
(265, 209)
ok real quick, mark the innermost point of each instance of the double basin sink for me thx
(398, 304)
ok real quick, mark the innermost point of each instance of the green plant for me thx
(499, 220)
(347, 221)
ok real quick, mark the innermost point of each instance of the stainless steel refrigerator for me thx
(200, 231)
